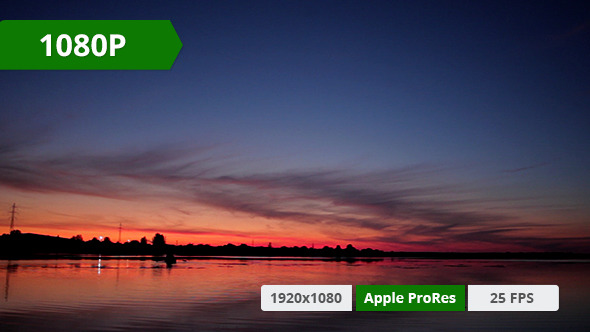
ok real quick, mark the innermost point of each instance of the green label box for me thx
(410, 298)
(88, 45)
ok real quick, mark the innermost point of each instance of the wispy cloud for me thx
(525, 168)
(576, 30)
(402, 205)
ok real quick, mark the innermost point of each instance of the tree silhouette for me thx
(77, 237)
(159, 240)
(351, 251)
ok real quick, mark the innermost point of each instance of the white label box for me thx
(512, 297)
(306, 298)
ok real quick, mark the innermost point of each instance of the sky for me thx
(395, 125)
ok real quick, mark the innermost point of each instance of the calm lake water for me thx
(224, 294)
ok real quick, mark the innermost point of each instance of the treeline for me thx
(22, 246)
(17, 245)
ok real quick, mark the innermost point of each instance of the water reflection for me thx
(225, 294)
(10, 269)
(7, 285)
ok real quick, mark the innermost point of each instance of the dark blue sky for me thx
(490, 98)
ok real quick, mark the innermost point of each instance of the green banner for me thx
(80, 45)
(410, 298)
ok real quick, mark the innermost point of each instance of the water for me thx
(224, 294)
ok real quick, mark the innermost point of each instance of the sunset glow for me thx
(371, 128)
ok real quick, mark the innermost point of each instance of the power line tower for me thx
(120, 226)
(12, 212)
